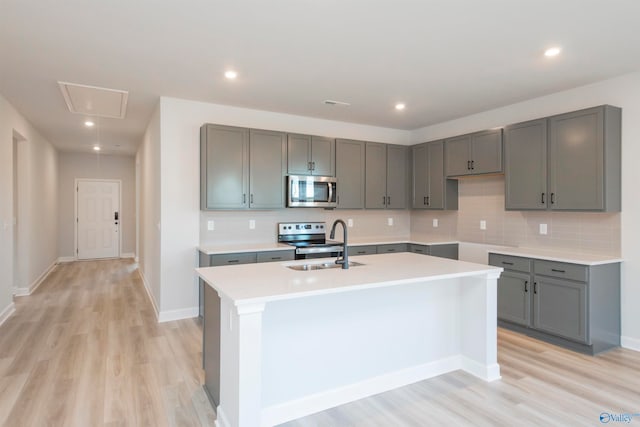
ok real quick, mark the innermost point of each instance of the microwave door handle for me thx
(330, 192)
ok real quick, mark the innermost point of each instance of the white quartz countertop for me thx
(551, 255)
(390, 241)
(261, 283)
(245, 247)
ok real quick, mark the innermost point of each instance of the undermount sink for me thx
(321, 266)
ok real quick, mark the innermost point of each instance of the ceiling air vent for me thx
(338, 103)
(95, 101)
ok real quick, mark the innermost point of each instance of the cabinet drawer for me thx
(510, 262)
(363, 250)
(444, 251)
(275, 256)
(562, 270)
(232, 259)
(419, 249)
(398, 247)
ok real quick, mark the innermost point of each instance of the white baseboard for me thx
(22, 292)
(281, 413)
(183, 313)
(7, 312)
(221, 418)
(486, 373)
(136, 259)
(128, 255)
(630, 343)
(64, 259)
(149, 294)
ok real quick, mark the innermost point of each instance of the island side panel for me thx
(479, 331)
(240, 365)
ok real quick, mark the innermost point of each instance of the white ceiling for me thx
(444, 59)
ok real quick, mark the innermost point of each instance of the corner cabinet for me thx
(431, 190)
(311, 155)
(386, 178)
(350, 161)
(572, 305)
(569, 162)
(474, 154)
(241, 168)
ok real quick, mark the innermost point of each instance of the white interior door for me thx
(98, 219)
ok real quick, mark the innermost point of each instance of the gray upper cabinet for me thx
(474, 154)
(386, 176)
(310, 155)
(268, 160)
(224, 168)
(350, 161)
(525, 165)
(584, 160)
(430, 188)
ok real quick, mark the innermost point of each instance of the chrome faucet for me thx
(345, 250)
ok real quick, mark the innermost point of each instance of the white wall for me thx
(37, 198)
(180, 184)
(622, 92)
(96, 166)
(148, 172)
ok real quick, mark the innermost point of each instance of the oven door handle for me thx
(323, 249)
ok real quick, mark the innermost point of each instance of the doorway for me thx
(98, 218)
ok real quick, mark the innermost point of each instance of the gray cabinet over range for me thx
(311, 155)
(573, 305)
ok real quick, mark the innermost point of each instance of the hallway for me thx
(85, 350)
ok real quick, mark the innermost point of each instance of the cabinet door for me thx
(525, 165)
(576, 160)
(224, 167)
(560, 307)
(350, 159)
(457, 156)
(420, 176)
(486, 152)
(435, 159)
(419, 249)
(375, 176)
(514, 297)
(449, 250)
(397, 176)
(392, 248)
(298, 158)
(268, 160)
(323, 153)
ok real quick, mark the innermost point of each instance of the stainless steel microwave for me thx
(311, 191)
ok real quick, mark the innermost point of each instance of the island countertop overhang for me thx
(266, 282)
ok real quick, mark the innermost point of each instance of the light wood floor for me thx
(85, 350)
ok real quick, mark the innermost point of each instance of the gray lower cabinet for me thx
(275, 256)
(363, 250)
(447, 250)
(310, 155)
(474, 154)
(350, 173)
(391, 248)
(224, 167)
(576, 306)
(431, 190)
(268, 167)
(386, 177)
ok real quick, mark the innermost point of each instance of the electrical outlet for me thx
(435, 222)
(543, 228)
(483, 224)
(252, 224)
(350, 222)
(389, 221)
(211, 225)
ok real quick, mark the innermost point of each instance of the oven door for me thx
(311, 191)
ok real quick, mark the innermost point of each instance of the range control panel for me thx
(293, 228)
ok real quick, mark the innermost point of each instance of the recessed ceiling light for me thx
(552, 51)
(89, 123)
(400, 106)
(231, 75)
(96, 148)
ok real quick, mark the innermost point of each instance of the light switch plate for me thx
(543, 228)
(350, 222)
(483, 224)
(211, 225)
(435, 222)
(389, 221)
(252, 224)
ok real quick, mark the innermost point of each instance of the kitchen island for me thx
(288, 343)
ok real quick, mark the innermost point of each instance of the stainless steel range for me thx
(309, 238)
